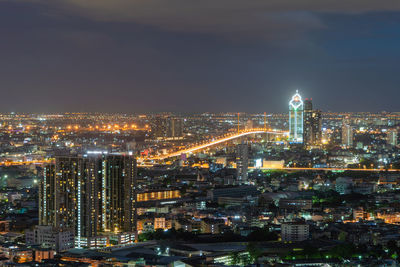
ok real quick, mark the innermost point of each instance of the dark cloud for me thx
(220, 55)
(218, 15)
(279, 18)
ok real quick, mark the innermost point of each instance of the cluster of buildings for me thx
(167, 127)
(305, 126)
(92, 195)
(305, 123)
(84, 189)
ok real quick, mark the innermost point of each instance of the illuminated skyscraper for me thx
(159, 127)
(392, 137)
(91, 194)
(46, 196)
(296, 118)
(347, 135)
(118, 193)
(77, 203)
(170, 127)
(312, 133)
(175, 127)
(242, 162)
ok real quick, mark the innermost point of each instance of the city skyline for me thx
(118, 57)
(199, 133)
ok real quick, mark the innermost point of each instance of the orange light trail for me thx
(304, 169)
(19, 163)
(326, 169)
(216, 142)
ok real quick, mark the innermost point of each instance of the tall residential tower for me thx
(91, 194)
(392, 137)
(242, 162)
(312, 125)
(347, 134)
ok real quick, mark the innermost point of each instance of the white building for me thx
(296, 111)
(295, 231)
(51, 237)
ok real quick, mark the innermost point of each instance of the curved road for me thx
(217, 141)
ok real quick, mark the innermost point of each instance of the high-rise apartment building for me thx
(296, 118)
(91, 194)
(118, 193)
(174, 127)
(312, 134)
(167, 127)
(242, 162)
(347, 134)
(159, 127)
(46, 196)
(391, 137)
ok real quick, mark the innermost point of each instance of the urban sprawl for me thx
(302, 188)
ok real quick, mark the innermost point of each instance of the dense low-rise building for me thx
(295, 231)
(50, 237)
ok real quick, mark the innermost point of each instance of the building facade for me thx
(46, 196)
(295, 204)
(296, 110)
(343, 185)
(174, 127)
(242, 162)
(347, 135)
(294, 231)
(50, 237)
(391, 137)
(312, 125)
(167, 127)
(159, 127)
(93, 194)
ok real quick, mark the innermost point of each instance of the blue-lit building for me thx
(296, 110)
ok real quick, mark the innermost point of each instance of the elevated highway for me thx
(216, 141)
(22, 163)
(326, 169)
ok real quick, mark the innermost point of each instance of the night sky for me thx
(198, 55)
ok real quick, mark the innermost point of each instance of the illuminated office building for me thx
(93, 194)
(312, 134)
(296, 118)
